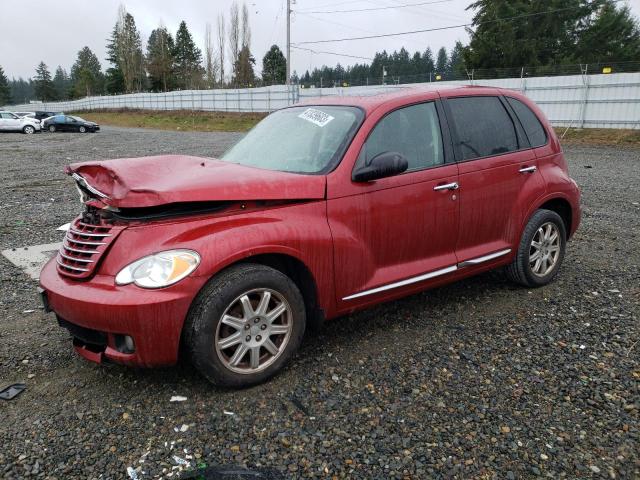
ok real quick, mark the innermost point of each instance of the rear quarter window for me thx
(530, 122)
(484, 127)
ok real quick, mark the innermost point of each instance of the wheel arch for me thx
(292, 266)
(556, 203)
(563, 208)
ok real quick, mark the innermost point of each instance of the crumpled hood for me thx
(160, 180)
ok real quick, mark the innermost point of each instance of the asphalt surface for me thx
(479, 379)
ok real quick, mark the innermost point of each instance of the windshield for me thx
(300, 139)
(78, 119)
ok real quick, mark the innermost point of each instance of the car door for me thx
(11, 122)
(3, 125)
(393, 234)
(498, 177)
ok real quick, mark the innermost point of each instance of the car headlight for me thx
(160, 269)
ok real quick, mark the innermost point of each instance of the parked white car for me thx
(10, 122)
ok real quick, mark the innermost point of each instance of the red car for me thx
(321, 210)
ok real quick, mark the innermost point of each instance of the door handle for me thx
(447, 186)
(528, 169)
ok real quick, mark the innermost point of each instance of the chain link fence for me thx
(584, 98)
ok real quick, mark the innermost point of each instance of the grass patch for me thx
(599, 136)
(176, 120)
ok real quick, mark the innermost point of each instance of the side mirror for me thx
(386, 164)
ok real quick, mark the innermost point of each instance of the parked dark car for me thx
(41, 115)
(68, 123)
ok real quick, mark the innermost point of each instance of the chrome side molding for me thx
(484, 258)
(427, 276)
(402, 283)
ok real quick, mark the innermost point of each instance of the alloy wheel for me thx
(544, 251)
(29, 130)
(254, 331)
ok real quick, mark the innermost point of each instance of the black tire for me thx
(520, 270)
(82, 129)
(201, 325)
(29, 130)
(51, 128)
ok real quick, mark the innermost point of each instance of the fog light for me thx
(125, 344)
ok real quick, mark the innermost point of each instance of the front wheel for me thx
(245, 325)
(52, 128)
(82, 129)
(28, 129)
(541, 250)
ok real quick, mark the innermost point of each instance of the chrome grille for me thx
(83, 246)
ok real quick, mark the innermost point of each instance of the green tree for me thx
(62, 83)
(86, 74)
(5, 90)
(544, 34)
(22, 91)
(188, 60)
(124, 52)
(114, 79)
(243, 69)
(612, 35)
(442, 61)
(274, 67)
(160, 60)
(456, 68)
(45, 90)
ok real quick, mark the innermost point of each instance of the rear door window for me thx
(530, 122)
(484, 127)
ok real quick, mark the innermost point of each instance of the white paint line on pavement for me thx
(31, 259)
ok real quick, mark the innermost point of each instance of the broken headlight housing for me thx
(160, 269)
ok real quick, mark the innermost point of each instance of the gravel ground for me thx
(479, 379)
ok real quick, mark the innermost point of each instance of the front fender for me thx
(300, 231)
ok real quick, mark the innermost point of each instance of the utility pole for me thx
(288, 42)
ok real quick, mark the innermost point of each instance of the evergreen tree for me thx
(114, 79)
(124, 52)
(62, 83)
(428, 63)
(44, 88)
(5, 91)
(611, 35)
(160, 60)
(442, 61)
(274, 67)
(244, 74)
(188, 59)
(22, 91)
(86, 74)
(455, 68)
(545, 34)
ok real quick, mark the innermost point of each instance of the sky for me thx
(54, 32)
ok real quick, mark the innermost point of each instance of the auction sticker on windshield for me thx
(316, 116)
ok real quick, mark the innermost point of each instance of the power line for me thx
(376, 8)
(411, 32)
(331, 53)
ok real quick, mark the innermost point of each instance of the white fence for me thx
(595, 101)
(590, 101)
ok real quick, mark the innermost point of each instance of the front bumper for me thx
(98, 314)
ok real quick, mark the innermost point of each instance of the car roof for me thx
(385, 95)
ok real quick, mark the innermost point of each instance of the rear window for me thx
(532, 126)
(484, 127)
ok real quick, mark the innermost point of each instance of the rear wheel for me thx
(245, 325)
(28, 129)
(541, 250)
(52, 128)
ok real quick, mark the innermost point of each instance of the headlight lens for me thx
(160, 269)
